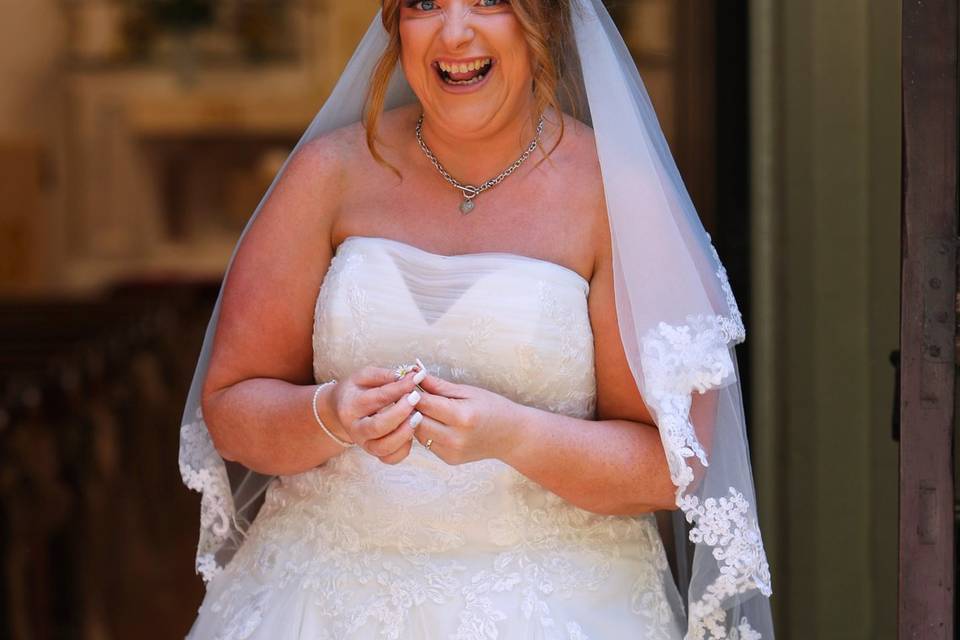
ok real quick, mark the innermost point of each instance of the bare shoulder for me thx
(618, 396)
(325, 157)
(394, 127)
(266, 310)
(580, 132)
(583, 151)
(579, 140)
(310, 186)
(328, 170)
(344, 148)
(580, 165)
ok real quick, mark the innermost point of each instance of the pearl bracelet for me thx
(316, 415)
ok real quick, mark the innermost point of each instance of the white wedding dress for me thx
(421, 550)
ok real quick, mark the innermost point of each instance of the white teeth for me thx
(463, 67)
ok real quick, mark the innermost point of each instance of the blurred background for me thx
(137, 136)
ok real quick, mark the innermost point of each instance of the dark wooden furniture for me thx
(97, 533)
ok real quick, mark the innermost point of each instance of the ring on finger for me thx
(428, 443)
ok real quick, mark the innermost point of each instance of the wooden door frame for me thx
(928, 320)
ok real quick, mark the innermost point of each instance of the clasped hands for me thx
(383, 410)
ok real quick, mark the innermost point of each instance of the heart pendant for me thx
(466, 206)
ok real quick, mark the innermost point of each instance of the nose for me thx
(457, 25)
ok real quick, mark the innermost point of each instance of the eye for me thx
(423, 5)
(491, 3)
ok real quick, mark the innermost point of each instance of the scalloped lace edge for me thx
(204, 471)
(677, 360)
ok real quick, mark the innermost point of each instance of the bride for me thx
(468, 345)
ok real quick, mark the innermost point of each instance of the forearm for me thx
(613, 467)
(268, 425)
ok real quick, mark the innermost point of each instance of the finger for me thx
(373, 400)
(393, 441)
(373, 376)
(430, 429)
(380, 424)
(440, 408)
(399, 455)
(439, 386)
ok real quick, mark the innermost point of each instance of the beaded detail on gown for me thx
(358, 549)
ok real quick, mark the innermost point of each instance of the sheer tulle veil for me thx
(678, 320)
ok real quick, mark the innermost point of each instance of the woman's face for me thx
(468, 62)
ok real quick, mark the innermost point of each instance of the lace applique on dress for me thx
(359, 549)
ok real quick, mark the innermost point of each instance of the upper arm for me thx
(617, 394)
(266, 312)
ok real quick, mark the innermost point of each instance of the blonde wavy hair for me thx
(547, 27)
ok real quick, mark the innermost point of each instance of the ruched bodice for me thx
(360, 549)
(509, 323)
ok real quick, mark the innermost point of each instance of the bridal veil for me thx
(678, 320)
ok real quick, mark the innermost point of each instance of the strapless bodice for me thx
(423, 549)
(509, 323)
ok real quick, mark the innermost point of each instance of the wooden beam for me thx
(928, 319)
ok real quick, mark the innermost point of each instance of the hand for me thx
(466, 423)
(372, 408)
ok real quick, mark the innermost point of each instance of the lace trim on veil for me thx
(676, 360)
(203, 471)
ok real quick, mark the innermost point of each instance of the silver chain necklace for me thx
(470, 191)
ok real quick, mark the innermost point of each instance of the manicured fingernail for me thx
(420, 364)
(414, 397)
(415, 419)
(417, 379)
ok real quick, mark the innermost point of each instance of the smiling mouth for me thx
(464, 73)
